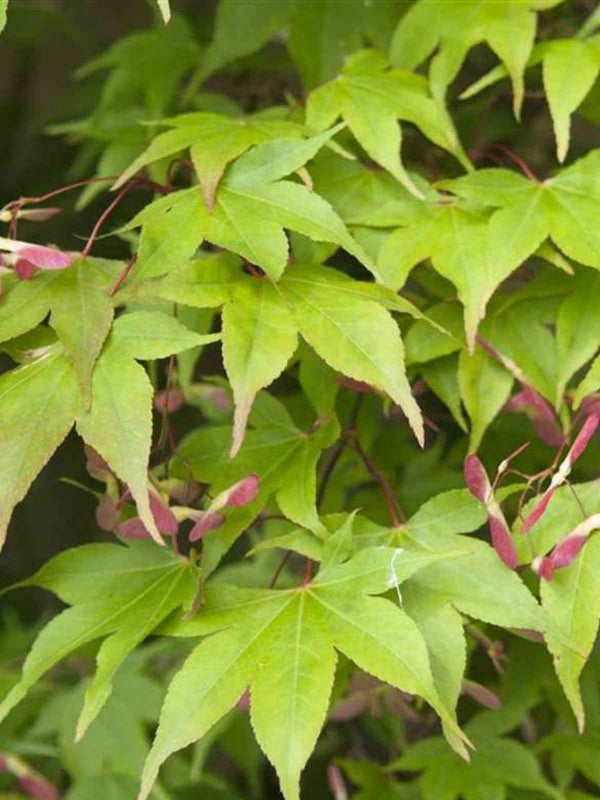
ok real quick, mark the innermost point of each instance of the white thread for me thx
(393, 579)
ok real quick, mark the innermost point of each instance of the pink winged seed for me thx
(243, 492)
(479, 485)
(567, 550)
(207, 521)
(560, 476)
(476, 478)
(45, 257)
(164, 518)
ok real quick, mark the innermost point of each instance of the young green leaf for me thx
(565, 206)
(259, 338)
(358, 337)
(442, 629)
(580, 60)
(38, 405)
(145, 584)
(577, 332)
(171, 238)
(508, 27)
(214, 140)
(478, 583)
(150, 335)
(119, 424)
(201, 283)
(484, 388)
(572, 603)
(24, 306)
(82, 314)
(370, 99)
(285, 652)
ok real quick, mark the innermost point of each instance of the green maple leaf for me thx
(520, 331)
(150, 335)
(251, 209)
(363, 196)
(477, 584)
(457, 240)
(371, 99)
(102, 762)
(259, 338)
(578, 751)
(285, 651)
(570, 598)
(578, 56)
(120, 594)
(484, 387)
(3, 8)
(497, 763)
(82, 314)
(81, 311)
(38, 405)
(572, 603)
(142, 72)
(442, 628)
(508, 27)
(213, 141)
(353, 334)
(283, 456)
(577, 332)
(318, 40)
(337, 316)
(23, 306)
(118, 424)
(562, 207)
(206, 282)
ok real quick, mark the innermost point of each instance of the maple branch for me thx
(123, 276)
(102, 219)
(516, 159)
(286, 557)
(394, 510)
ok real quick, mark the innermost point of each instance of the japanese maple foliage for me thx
(339, 399)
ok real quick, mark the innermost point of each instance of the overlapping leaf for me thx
(508, 27)
(284, 651)
(38, 405)
(579, 57)
(371, 99)
(283, 456)
(562, 207)
(119, 594)
(251, 210)
(213, 141)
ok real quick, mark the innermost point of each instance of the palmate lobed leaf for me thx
(38, 405)
(581, 54)
(214, 139)
(508, 26)
(562, 207)
(247, 215)
(283, 456)
(358, 337)
(284, 650)
(371, 99)
(120, 594)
